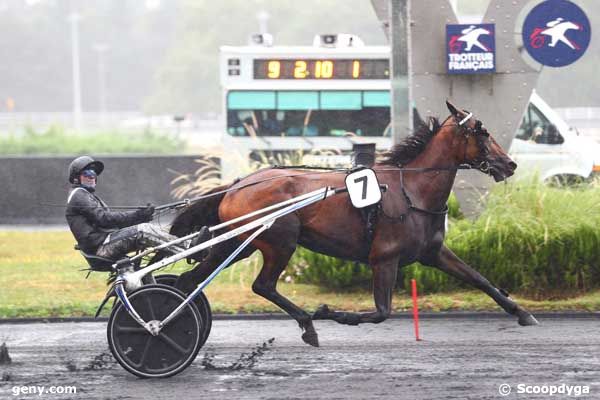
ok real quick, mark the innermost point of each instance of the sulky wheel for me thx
(201, 302)
(148, 356)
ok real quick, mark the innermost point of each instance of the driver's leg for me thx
(150, 235)
(137, 237)
(119, 243)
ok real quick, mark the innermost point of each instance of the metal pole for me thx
(263, 19)
(399, 11)
(101, 49)
(136, 276)
(212, 276)
(74, 20)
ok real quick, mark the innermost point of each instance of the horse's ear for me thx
(417, 120)
(453, 110)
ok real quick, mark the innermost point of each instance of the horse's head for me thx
(479, 149)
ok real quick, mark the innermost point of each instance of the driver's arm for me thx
(93, 211)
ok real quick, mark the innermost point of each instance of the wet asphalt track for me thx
(458, 359)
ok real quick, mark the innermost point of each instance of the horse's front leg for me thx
(448, 262)
(384, 279)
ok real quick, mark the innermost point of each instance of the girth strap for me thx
(370, 215)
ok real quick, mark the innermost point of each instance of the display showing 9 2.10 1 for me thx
(321, 69)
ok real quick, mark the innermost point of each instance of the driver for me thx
(105, 233)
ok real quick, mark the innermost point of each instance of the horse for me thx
(410, 223)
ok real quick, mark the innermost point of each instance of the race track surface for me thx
(458, 359)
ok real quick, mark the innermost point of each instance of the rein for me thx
(327, 170)
(476, 131)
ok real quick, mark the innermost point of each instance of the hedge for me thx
(533, 239)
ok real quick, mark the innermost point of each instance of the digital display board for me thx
(299, 69)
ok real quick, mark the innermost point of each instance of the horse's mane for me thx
(413, 145)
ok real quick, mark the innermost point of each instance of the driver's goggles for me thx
(89, 173)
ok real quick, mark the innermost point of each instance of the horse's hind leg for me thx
(448, 262)
(189, 280)
(265, 285)
(277, 247)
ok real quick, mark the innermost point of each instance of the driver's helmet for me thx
(82, 163)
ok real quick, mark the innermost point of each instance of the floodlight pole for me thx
(74, 20)
(263, 20)
(401, 109)
(101, 49)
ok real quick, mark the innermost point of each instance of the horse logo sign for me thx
(470, 49)
(556, 33)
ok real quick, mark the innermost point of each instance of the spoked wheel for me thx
(201, 302)
(167, 354)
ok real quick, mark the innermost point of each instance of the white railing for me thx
(127, 120)
(586, 113)
(585, 119)
(46, 119)
(581, 117)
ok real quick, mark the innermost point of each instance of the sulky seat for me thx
(95, 262)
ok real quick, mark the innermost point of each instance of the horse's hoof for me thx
(526, 319)
(311, 338)
(321, 312)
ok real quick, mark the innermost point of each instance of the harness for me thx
(370, 214)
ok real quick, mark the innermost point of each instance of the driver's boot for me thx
(203, 236)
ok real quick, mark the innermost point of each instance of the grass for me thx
(56, 140)
(40, 277)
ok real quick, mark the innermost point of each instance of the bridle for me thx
(482, 136)
(479, 163)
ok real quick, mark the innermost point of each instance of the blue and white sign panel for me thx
(556, 33)
(471, 49)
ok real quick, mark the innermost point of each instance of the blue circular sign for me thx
(556, 33)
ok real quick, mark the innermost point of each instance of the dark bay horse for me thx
(410, 227)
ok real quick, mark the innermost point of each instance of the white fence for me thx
(585, 119)
(40, 120)
(128, 120)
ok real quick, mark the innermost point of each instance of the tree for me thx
(188, 80)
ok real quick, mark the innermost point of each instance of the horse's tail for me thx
(200, 213)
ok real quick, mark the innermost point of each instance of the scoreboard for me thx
(303, 67)
(314, 68)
